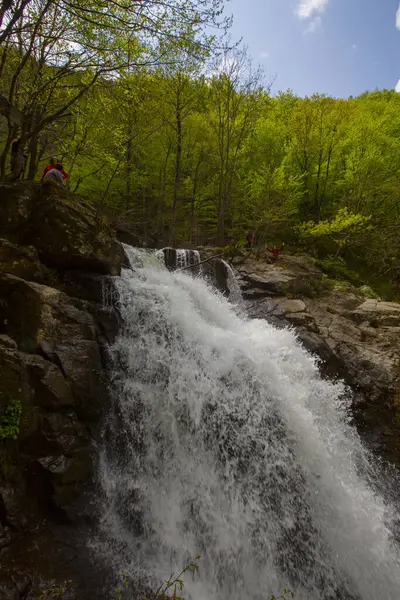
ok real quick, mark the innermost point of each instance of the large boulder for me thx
(291, 275)
(31, 313)
(17, 201)
(44, 320)
(66, 233)
(81, 363)
(376, 314)
(33, 378)
(21, 261)
(364, 335)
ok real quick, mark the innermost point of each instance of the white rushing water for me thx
(225, 442)
(235, 295)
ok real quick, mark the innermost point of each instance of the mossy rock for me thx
(21, 261)
(66, 233)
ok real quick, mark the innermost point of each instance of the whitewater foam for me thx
(224, 441)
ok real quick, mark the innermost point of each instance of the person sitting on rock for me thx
(55, 174)
(52, 165)
(275, 251)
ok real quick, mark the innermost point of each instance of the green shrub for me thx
(344, 286)
(368, 292)
(336, 268)
(10, 420)
(171, 589)
(56, 592)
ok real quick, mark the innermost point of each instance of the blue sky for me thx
(336, 47)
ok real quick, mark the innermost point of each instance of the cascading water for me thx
(184, 258)
(180, 259)
(235, 296)
(225, 442)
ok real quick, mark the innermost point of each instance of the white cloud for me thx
(354, 47)
(307, 8)
(314, 26)
(397, 88)
(398, 18)
(264, 55)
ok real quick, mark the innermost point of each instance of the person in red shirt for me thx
(52, 165)
(251, 240)
(276, 250)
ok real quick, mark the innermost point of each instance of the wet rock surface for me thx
(55, 254)
(258, 278)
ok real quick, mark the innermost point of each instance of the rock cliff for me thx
(54, 255)
(357, 338)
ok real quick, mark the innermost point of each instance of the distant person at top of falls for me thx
(55, 174)
(15, 146)
(50, 167)
(275, 251)
(251, 240)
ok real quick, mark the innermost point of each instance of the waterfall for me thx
(179, 258)
(224, 441)
(224, 278)
(235, 295)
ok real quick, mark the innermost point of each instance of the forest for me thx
(165, 125)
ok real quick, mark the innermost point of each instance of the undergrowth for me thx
(10, 420)
(337, 269)
(173, 588)
(56, 592)
(170, 590)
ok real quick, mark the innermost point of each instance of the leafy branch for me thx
(174, 583)
(10, 420)
(56, 592)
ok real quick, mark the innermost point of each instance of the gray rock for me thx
(66, 233)
(289, 275)
(32, 313)
(81, 363)
(376, 306)
(302, 320)
(7, 342)
(8, 589)
(292, 306)
(21, 261)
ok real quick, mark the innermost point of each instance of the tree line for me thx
(178, 136)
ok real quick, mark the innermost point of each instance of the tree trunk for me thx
(19, 161)
(221, 222)
(328, 164)
(192, 202)
(221, 201)
(145, 232)
(317, 206)
(129, 161)
(33, 157)
(178, 162)
(3, 158)
(161, 199)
